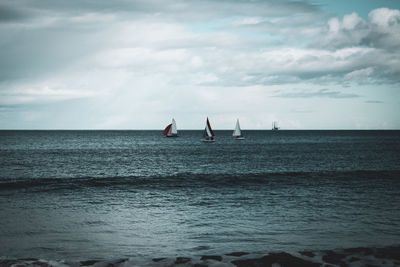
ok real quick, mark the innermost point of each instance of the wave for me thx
(360, 256)
(196, 179)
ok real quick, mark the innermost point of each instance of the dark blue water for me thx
(111, 194)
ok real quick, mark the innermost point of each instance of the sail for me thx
(208, 131)
(167, 129)
(205, 132)
(174, 130)
(237, 131)
(275, 125)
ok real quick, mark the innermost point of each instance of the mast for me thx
(274, 125)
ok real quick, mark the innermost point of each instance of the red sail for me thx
(166, 130)
(209, 127)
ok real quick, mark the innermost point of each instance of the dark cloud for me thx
(29, 51)
(64, 32)
(374, 102)
(52, 35)
(11, 14)
(322, 93)
(188, 10)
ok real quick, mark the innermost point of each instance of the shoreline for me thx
(360, 256)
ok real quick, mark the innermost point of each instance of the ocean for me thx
(78, 195)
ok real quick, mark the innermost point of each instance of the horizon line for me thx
(328, 129)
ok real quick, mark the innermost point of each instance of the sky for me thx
(317, 64)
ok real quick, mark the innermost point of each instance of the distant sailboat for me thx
(237, 132)
(171, 130)
(275, 126)
(208, 133)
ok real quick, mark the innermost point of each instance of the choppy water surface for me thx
(110, 194)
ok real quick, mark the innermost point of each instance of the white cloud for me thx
(385, 18)
(142, 58)
(334, 25)
(381, 30)
(352, 21)
(361, 74)
(248, 21)
(385, 28)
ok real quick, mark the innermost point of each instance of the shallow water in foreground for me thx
(115, 194)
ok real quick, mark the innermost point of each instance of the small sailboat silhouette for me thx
(171, 130)
(208, 133)
(275, 126)
(237, 133)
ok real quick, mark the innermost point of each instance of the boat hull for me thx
(207, 140)
(239, 138)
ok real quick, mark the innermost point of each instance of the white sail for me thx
(170, 130)
(237, 131)
(173, 130)
(208, 132)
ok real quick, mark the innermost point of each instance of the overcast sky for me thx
(100, 64)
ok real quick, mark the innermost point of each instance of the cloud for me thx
(160, 57)
(379, 31)
(374, 102)
(236, 42)
(294, 65)
(360, 75)
(41, 94)
(179, 10)
(384, 28)
(10, 14)
(322, 93)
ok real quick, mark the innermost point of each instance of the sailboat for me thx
(170, 130)
(237, 132)
(275, 126)
(208, 133)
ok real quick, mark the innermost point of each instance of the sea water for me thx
(115, 194)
